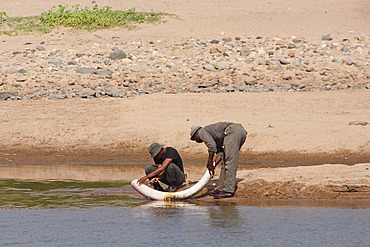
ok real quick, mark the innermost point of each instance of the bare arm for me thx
(157, 172)
(210, 165)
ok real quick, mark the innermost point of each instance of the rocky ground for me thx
(124, 69)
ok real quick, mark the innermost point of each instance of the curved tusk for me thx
(165, 196)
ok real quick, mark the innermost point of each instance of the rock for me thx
(72, 62)
(112, 92)
(22, 71)
(359, 63)
(107, 62)
(282, 43)
(209, 67)
(284, 61)
(40, 48)
(296, 62)
(55, 96)
(227, 39)
(118, 54)
(12, 92)
(4, 96)
(344, 49)
(291, 45)
(230, 89)
(349, 62)
(85, 70)
(84, 93)
(20, 78)
(214, 41)
(278, 68)
(310, 69)
(245, 51)
(326, 37)
(107, 73)
(221, 49)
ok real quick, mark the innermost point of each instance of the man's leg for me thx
(174, 176)
(233, 141)
(222, 177)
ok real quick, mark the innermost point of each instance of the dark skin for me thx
(211, 168)
(159, 172)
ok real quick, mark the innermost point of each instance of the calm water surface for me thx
(110, 213)
(66, 213)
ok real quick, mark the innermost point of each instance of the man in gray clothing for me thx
(224, 139)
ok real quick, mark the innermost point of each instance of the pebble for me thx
(118, 54)
(85, 70)
(326, 37)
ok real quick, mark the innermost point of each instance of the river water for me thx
(56, 212)
(185, 224)
(102, 214)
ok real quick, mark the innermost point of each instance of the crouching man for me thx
(223, 138)
(168, 168)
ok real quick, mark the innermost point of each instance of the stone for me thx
(284, 61)
(359, 63)
(214, 41)
(112, 92)
(310, 69)
(291, 45)
(72, 62)
(85, 70)
(245, 52)
(118, 54)
(230, 89)
(107, 73)
(55, 96)
(40, 48)
(22, 71)
(84, 93)
(107, 62)
(326, 37)
(278, 68)
(227, 39)
(221, 49)
(4, 96)
(209, 67)
(282, 43)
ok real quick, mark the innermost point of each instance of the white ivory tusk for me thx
(165, 196)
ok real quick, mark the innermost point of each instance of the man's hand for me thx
(141, 180)
(154, 180)
(211, 168)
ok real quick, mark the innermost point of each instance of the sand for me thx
(285, 129)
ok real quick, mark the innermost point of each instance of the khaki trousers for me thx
(233, 141)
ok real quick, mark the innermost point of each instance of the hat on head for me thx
(155, 148)
(194, 130)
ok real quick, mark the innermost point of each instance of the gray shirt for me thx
(213, 135)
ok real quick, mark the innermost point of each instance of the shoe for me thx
(223, 194)
(214, 192)
(171, 188)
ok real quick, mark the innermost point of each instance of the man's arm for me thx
(210, 166)
(157, 172)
